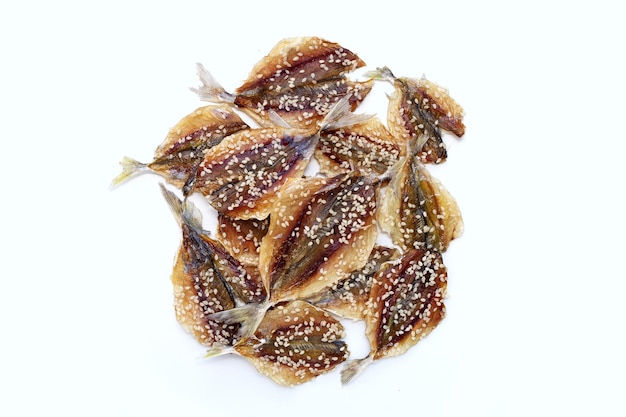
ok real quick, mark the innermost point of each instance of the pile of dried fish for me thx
(295, 254)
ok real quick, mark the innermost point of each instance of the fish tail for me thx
(249, 316)
(381, 74)
(354, 368)
(184, 210)
(340, 115)
(130, 167)
(211, 90)
(219, 350)
(416, 143)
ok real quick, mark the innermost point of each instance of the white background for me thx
(536, 311)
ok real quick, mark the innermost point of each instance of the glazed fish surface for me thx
(417, 211)
(294, 343)
(241, 176)
(321, 229)
(207, 279)
(300, 79)
(406, 305)
(368, 147)
(242, 238)
(418, 110)
(323, 215)
(177, 158)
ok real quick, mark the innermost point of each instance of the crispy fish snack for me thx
(417, 211)
(297, 251)
(368, 147)
(207, 279)
(418, 110)
(177, 158)
(300, 79)
(321, 229)
(242, 175)
(406, 305)
(294, 343)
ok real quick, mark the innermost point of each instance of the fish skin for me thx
(406, 304)
(418, 110)
(242, 238)
(295, 343)
(300, 79)
(176, 159)
(417, 211)
(349, 297)
(240, 176)
(299, 61)
(207, 280)
(303, 106)
(368, 147)
(321, 229)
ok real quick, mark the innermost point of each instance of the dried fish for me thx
(242, 238)
(241, 176)
(207, 279)
(418, 110)
(294, 343)
(368, 147)
(349, 297)
(295, 254)
(406, 305)
(416, 210)
(300, 79)
(177, 158)
(321, 229)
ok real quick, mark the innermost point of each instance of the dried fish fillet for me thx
(321, 229)
(177, 158)
(349, 297)
(406, 305)
(242, 238)
(418, 110)
(241, 176)
(300, 79)
(368, 147)
(207, 279)
(294, 343)
(417, 211)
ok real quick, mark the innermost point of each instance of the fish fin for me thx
(130, 167)
(184, 210)
(381, 74)
(211, 90)
(249, 316)
(340, 115)
(219, 350)
(277, 120)
(354, 368)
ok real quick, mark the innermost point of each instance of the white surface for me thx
(536, 309)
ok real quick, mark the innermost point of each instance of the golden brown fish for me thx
(406, 305)
(321, 229)
(349, 297)
(300, 80)
(367, 146)
(207, 279)
(241, 176)
(177, 158)
(417, 211)
(294, 343)
(418, 110)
